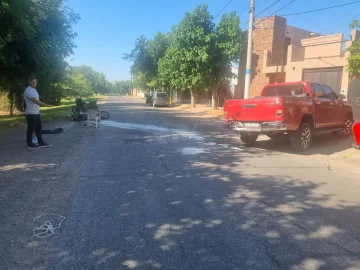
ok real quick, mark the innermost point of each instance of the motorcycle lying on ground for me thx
(81, 107)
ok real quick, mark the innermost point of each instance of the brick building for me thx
(283, 53)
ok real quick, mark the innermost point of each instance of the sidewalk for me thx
(203, 110)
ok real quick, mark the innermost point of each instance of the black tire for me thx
(104, 115)
(302, 139)
(347, 131)
(248, 138)
(75, 110)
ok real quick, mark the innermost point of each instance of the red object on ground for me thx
(356, 129)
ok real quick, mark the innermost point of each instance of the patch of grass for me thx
(47, 113)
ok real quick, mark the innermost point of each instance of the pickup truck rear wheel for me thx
(347, 129)
(302, 138)
(248, 138)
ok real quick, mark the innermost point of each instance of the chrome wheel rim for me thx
(347, 127)
(305, 138)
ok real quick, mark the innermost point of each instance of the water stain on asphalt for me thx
(192, 151)
(139, 127)
(151, 128)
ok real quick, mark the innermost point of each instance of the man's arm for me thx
(38, 102)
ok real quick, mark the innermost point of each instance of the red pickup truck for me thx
(293, 110)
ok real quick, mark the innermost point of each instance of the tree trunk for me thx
(19, 101)
(192, 104)
(11, 98)
(179, 96)
(213, 99)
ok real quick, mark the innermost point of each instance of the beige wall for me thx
(296, 34)
(325, 46)
(318, 52)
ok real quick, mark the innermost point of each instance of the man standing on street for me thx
(32, 113)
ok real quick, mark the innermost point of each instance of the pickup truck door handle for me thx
(331, 103)
(318, 102)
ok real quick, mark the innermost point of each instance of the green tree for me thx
(122, 87)
(145, 57)
(225, 50)
(354, 58)
(98, 81)
(143, 65)
(35, 38)
(156, 49)
(186, 62)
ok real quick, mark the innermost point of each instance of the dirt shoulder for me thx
(35, 182)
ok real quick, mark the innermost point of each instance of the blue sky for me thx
(109, 28)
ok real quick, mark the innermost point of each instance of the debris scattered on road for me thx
(47, 228)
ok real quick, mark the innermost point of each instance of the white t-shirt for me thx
(31, 107)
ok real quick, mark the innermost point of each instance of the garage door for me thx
(329, 76)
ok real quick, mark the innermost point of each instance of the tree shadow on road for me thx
(201, 212)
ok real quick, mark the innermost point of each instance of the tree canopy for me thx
(35, 38)
(354, 49)
(196, 55)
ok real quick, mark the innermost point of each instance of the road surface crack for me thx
(271, 257)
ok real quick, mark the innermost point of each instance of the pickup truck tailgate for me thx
(256, 109)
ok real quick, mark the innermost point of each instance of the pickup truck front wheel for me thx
(302, 138)
(248, 138)
(347, 129)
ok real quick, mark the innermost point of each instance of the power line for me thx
(273, 4)
(320, 9)
(347, 13)
(309, 21)
(223, 9)
(277, 11)
(346, 23)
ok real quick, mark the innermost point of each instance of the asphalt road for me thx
(166, 190)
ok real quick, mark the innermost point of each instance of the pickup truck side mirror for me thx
(342, 96)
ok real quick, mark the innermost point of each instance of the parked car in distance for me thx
(293, 110)
(160, 99)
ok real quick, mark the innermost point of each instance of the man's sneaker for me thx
(44, 145)
(33, 146)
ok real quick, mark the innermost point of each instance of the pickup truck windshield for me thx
(284, 90)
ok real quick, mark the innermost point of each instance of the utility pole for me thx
(249, 50)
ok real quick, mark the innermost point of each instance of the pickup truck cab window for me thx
(284, 90)
(328, 92)
(317, 90)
